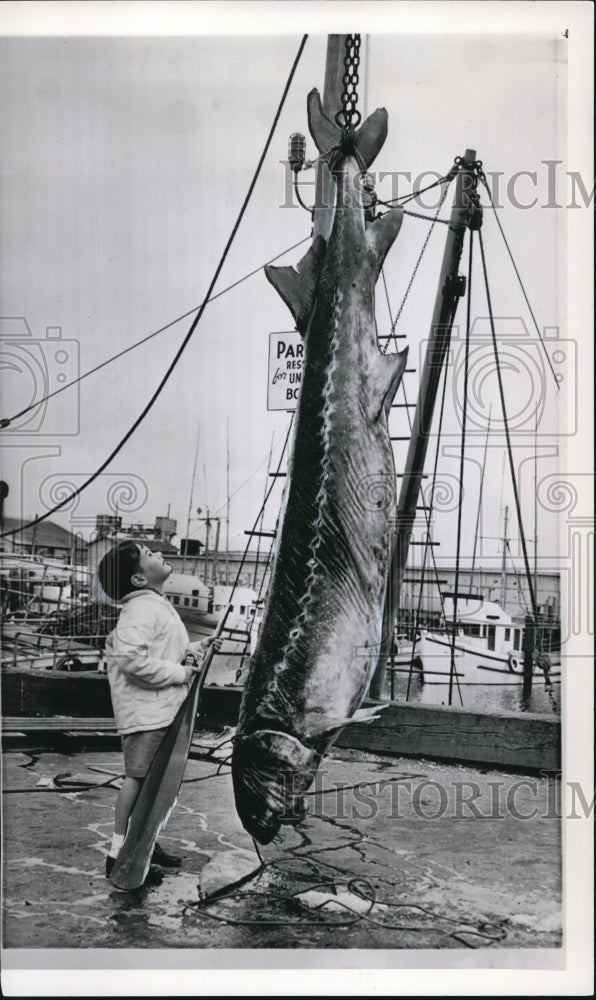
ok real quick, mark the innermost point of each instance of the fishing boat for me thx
(36, 585)
(486, 645)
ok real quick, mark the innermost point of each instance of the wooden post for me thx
(529, 643)
(448, 294)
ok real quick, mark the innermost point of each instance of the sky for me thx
(125, 163)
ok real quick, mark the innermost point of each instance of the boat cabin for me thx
(485, 623)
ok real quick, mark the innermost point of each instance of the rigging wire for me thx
(414, 194)
(481, 491)
(433, 219)
(427, 547)
(6, 421)
(507, 432)
(521, 284)
(194, 323)
(462, 459)
(267, 495)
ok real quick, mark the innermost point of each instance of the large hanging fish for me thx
(318, 642)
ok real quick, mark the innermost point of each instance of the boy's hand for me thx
(214, 641)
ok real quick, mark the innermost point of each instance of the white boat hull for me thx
(472, 664)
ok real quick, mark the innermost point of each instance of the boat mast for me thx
(479, 510)
(192, 489)
(227, 497)
(536, 505)
(450, 289)
(504, 559)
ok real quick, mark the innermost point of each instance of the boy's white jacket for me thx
(148, 682)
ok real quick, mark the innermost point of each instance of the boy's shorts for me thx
(139, 749)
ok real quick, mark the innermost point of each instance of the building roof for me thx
(46, 534)
(155, 544)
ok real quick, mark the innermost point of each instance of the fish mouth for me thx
(270, 771)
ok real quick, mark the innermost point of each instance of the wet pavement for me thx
(395, 854)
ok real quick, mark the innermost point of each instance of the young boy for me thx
(148, 680)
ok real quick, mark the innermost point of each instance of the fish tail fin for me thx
(368, 139)
(325, 132)
(297, 285)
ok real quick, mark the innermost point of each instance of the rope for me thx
(360, 887)
(193, 325)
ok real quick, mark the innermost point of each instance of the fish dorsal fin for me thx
(297, 285)
(384, 378)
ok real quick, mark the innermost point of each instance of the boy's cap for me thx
(116, 569)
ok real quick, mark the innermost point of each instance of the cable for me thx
(507, 433)
(359, 887)
(414, 194)
(462, 456)
(432, 219)
(267, 495)
(6, 421)
(521, 284)
(194, 323)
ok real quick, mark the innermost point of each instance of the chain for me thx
(413, 275)
(427, 218)
(348, 117)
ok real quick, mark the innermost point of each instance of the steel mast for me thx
(465, 213)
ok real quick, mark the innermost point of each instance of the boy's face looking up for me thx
(152, 571)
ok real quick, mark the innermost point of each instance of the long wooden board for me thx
(160, 788)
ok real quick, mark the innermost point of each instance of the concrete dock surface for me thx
(395, 853)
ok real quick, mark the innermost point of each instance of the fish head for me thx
(271, 770)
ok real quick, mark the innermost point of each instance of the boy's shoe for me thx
(154, 876)
(163, 859)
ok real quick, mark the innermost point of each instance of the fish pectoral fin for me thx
(385, 377)
(297, 285)
(326, 724)
(381, 234)
(368, 714)
(325, 133)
